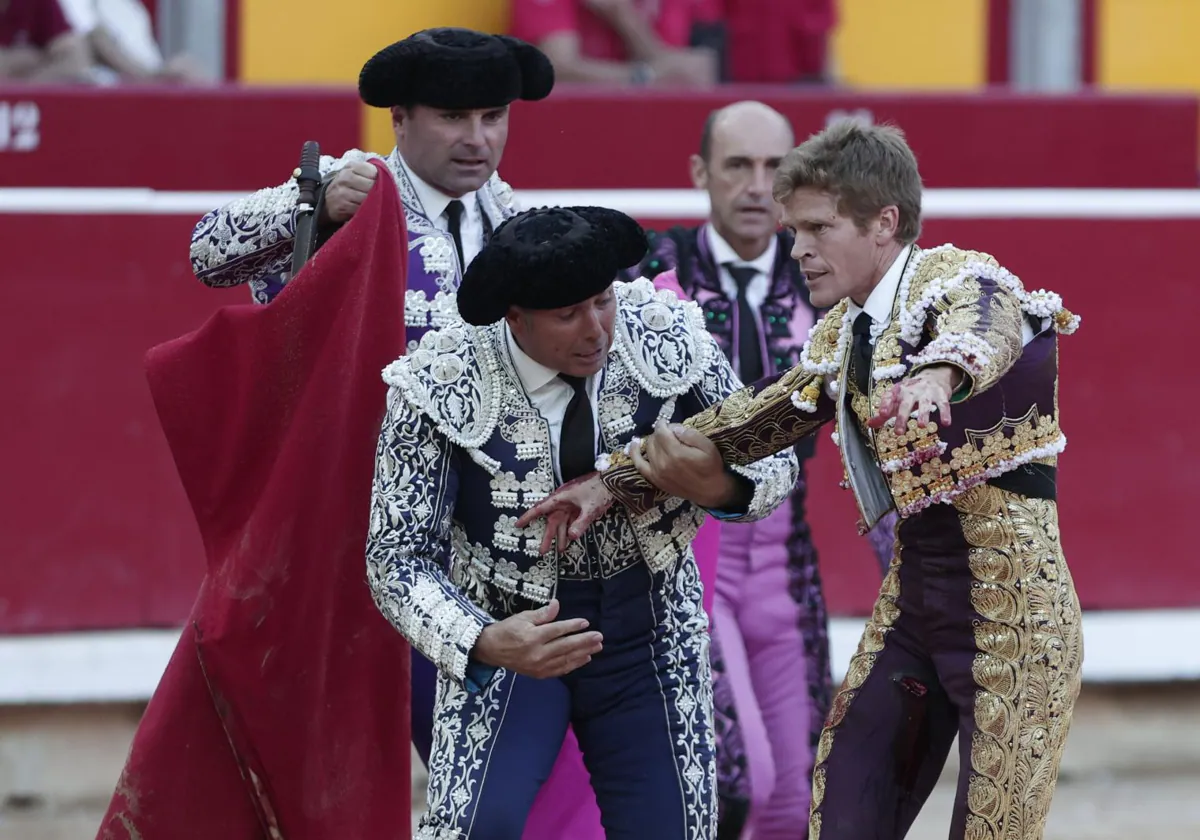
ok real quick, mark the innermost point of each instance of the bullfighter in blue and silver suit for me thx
(449, 91)
(553, 359)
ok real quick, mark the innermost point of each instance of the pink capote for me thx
(566, 807)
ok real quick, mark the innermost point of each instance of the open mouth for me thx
(589, 357)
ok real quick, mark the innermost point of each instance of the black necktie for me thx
(577, 446)
(749, 350)
(860, 353)
(454, 212)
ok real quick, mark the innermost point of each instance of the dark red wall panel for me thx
(95, 530)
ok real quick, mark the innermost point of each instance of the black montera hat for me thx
(547, 259)
(455, 69)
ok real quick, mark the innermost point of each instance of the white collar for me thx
(879, 303)
(533, 374)
(433, 201)
(723, 253)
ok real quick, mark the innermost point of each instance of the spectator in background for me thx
(120, 34)
(625, 42)
(779, 41)
(37, 44)
(770, 645)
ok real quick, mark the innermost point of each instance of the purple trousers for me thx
(758, 624)
(976, 633)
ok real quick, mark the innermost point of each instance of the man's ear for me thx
(699, 172)
(887, 223)
(516, 320)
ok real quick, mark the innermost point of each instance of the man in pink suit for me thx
(770, 645)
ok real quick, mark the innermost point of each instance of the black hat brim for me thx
(549, 258)
(456, 70)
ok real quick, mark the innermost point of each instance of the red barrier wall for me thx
(234, 138)
(95, 530)
(581, 138)
(167, 138)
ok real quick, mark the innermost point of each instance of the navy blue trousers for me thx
(424, 690)
(641, 709)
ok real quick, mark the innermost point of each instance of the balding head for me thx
(741, 117)
(740, 148)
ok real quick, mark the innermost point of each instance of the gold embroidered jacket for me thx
(953, 307)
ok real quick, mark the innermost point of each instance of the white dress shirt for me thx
(764, 264)
(756, 290)
(549, 394)
(434, 202)
(883, 297)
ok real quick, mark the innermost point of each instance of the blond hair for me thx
(864, 167)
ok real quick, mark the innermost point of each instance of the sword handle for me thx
(308, 184)
(308, 175)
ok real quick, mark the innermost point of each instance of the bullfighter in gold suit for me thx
(940, 372)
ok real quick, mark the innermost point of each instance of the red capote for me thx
(284, 711)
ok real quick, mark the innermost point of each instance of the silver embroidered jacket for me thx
(463, 453)
(250, 241)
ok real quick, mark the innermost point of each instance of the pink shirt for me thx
(32, 23)
(778, 41)
(535, 20)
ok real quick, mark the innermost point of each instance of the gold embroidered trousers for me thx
(976, 633)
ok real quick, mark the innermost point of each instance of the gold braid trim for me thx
(746, 426)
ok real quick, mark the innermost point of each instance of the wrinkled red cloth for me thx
(284, 711)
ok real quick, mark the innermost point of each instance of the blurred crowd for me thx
(636, 43)
(99, 42)
(680, 42)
